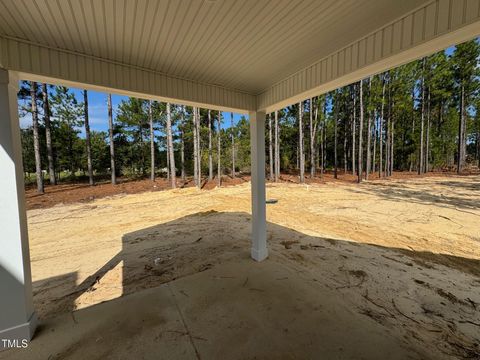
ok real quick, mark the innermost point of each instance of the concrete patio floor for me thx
(238, 310)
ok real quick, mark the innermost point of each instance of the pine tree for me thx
(465, 70)
(48, 135)
(170, 148)
(369, 128)
(380, 128)
(232, 128)
(112, 143)
(300, 142)
(421, 153)
(196, 179)
(36, 138)
(270, 146)
(68, 113)
(360, 136)
(152, 141)
(354, 126)
(87, 139)
(313, 135)
(210, 155)
(182, 142)
(219, 148)
(277, 148)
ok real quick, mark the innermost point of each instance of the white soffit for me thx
(221, 53)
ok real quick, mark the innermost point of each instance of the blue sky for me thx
(449, 51)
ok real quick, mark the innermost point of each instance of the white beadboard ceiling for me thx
(246, 45)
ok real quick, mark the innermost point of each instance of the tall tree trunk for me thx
(374, 140)
(324, 138)
(87, 140)
(232, 128)
(219, 148)
(380, 129)
(369, 131)
(70, 151)
(142, 148)
(195, 150)
(317, 149)
(199, 150)
(152, 142)
(297, 157)
(48, 135)
(335, 138)
(345, 168)
(170, 148)
(369, 152)
(210, 156)
(360, 136)
(464, 147)
(477, 143)
(387, 147)
(391, 127)
(413, 127)
(427, 139)
(182, 154)
(182, 144)
(461, 134)
(36, 139)
(168, 157)
(354, 128)
(300, 141)
(389, 132)
(322, 130)
(270, 146)
(112, 144)
(277, 149)
(392, 136)
(313, 136)
(422, 122)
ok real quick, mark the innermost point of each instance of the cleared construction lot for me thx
(355, 271)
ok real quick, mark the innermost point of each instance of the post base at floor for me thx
(18, 336)
(259, 255)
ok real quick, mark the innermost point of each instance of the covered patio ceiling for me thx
(227, 54)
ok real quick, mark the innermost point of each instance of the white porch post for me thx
(17, 318)
(259, 219)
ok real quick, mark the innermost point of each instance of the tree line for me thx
(421, 116)
(144, 137)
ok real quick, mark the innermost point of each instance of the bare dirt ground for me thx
(70, 193)
(402, 253)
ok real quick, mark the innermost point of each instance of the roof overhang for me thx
(74, 56)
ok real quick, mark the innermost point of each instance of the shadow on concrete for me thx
(193, 244)
(450, 199)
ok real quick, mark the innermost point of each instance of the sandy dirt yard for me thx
(403, 254)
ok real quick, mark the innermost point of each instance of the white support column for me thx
(17, 317)
(259, 218)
